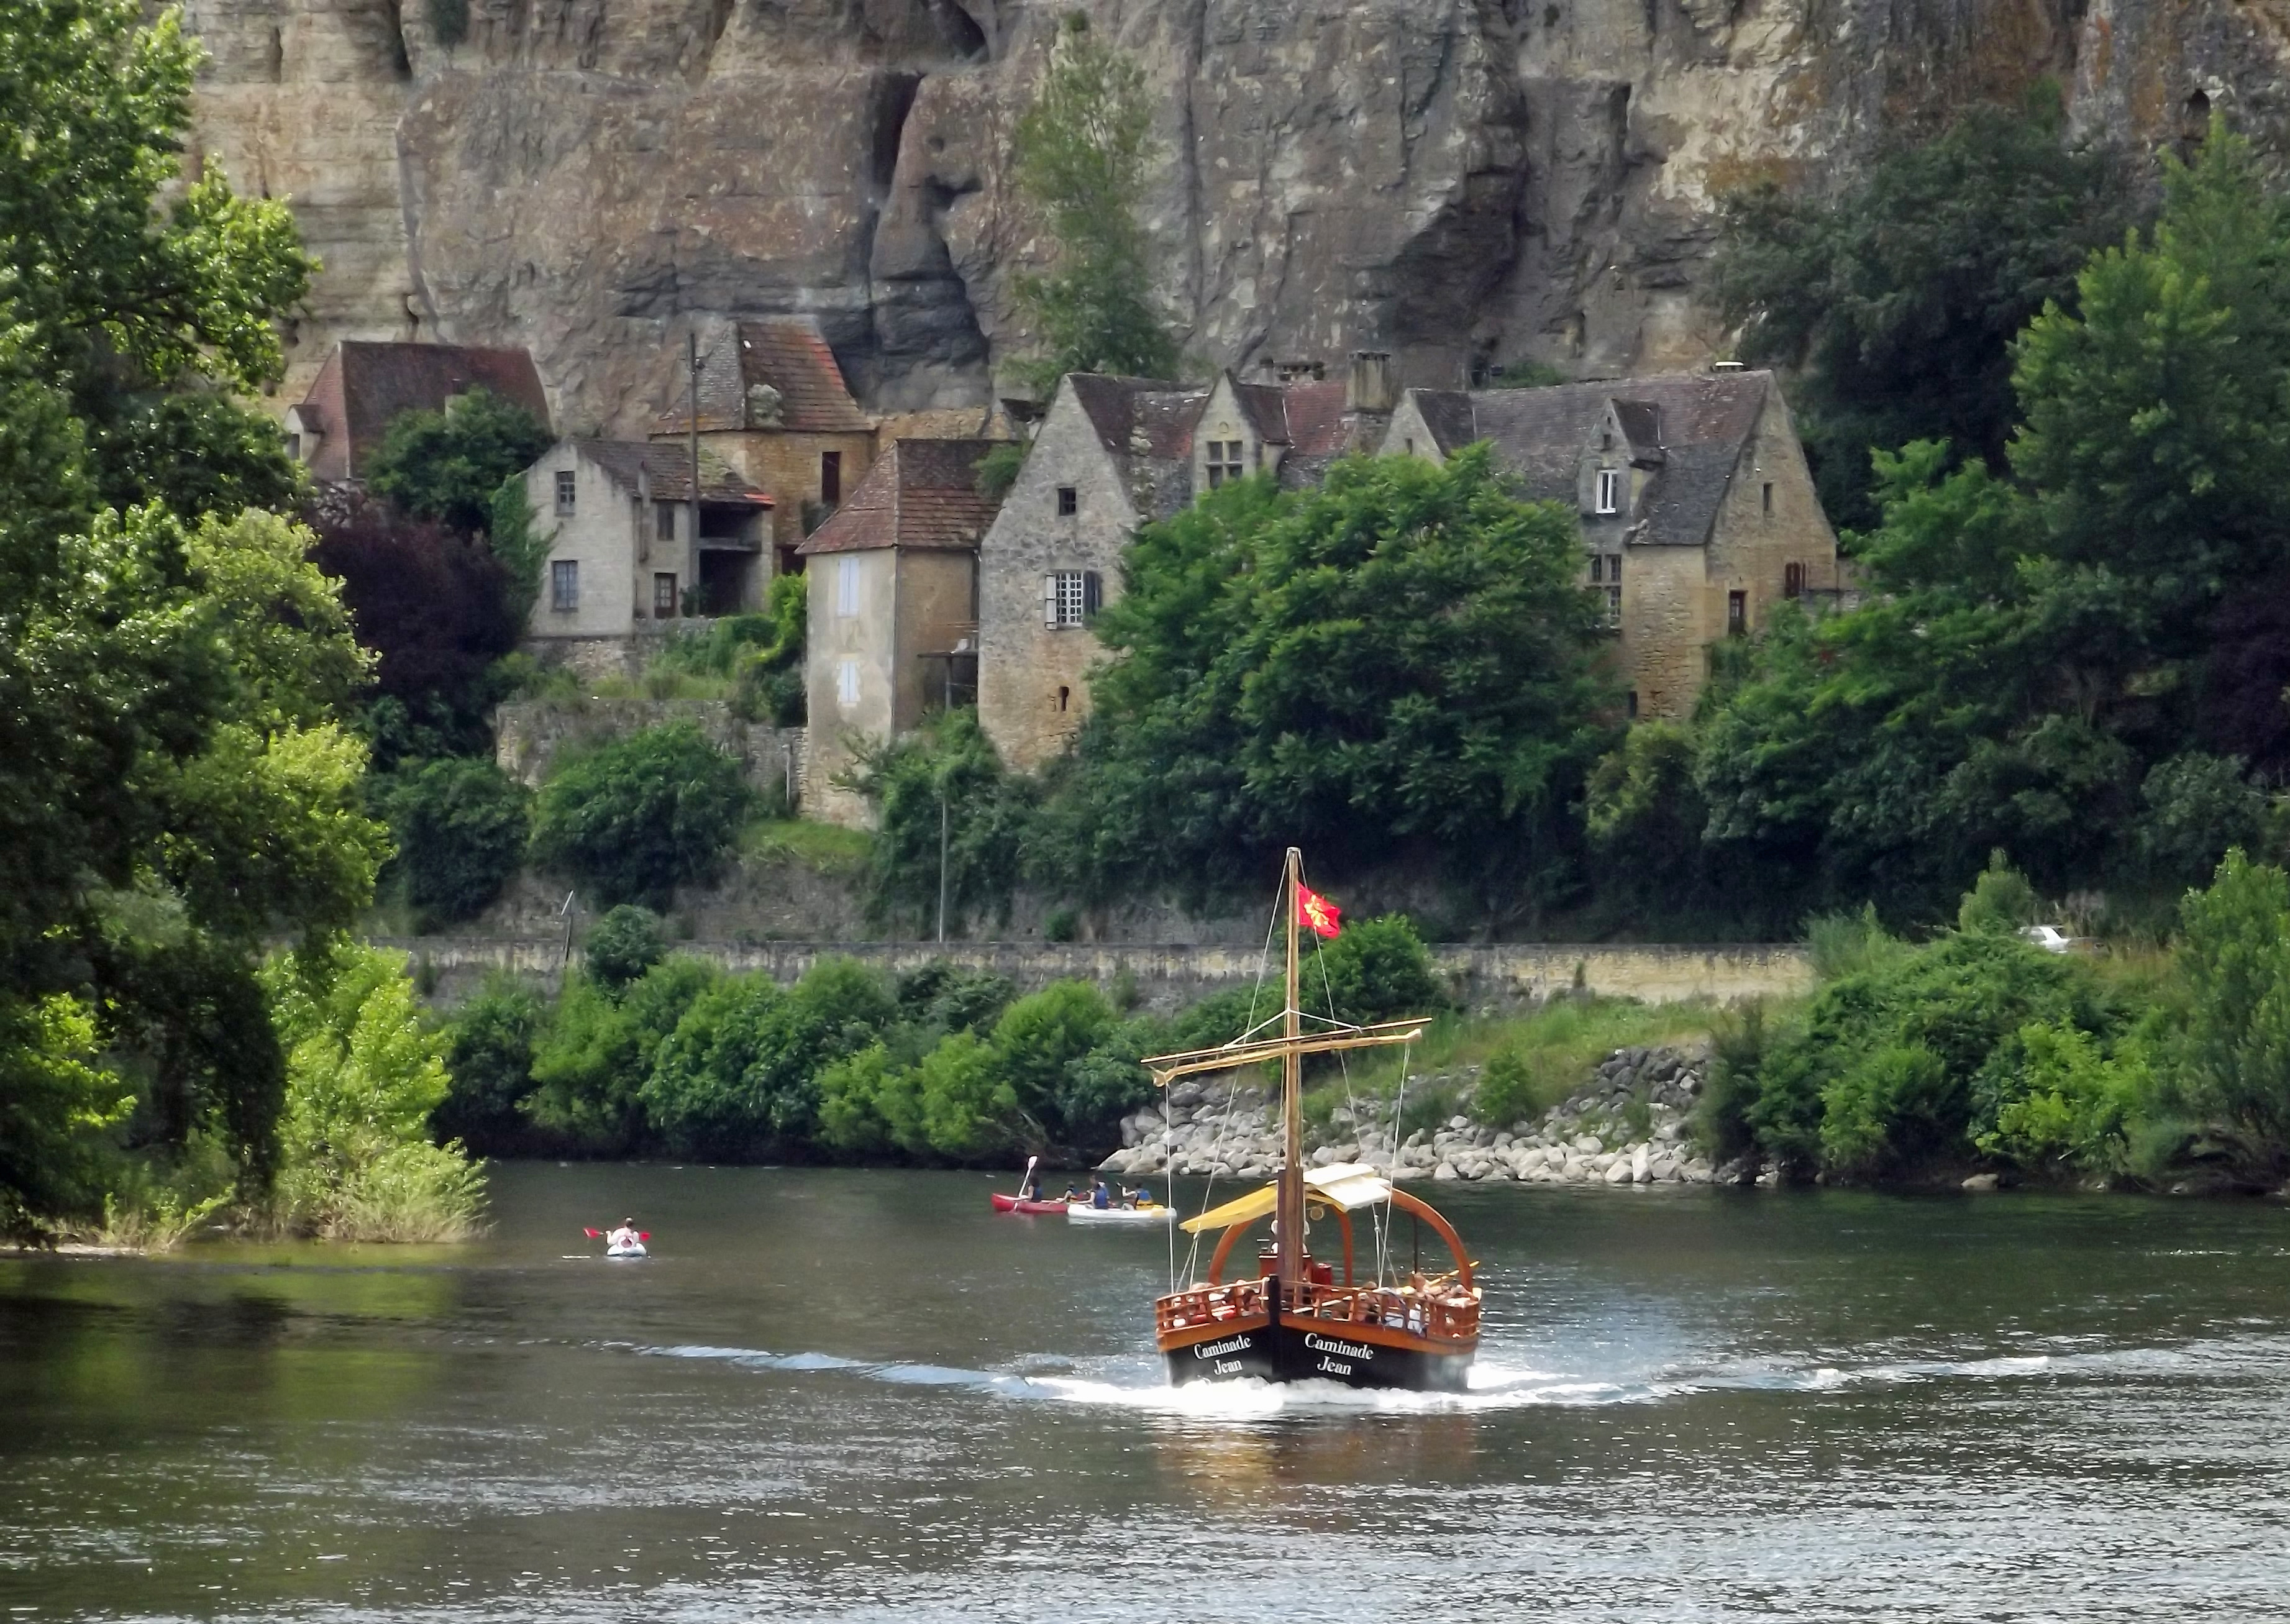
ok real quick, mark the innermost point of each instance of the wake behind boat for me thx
(1295, 1321)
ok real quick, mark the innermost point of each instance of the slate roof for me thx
(667, 468)
(790, 354)
(379, 380)
(920, 493)
(1694, 426)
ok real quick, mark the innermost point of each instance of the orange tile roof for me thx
(920, 493)
(790, 355)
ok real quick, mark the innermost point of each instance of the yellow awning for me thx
(1349, 1185)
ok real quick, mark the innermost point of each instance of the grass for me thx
(827, 847)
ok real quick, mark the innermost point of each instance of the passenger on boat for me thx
(1071, 1195)
(1141, 1196)
(623, 1238)
(1099, 1197)
(1029, 1187)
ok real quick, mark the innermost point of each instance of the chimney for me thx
(1369, 387)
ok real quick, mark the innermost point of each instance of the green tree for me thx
(941, 785)
(2235, 953)
(489, 1050)
(641, 815)
(1404, 654)
(591, 1070)
(363, 1076)
(1374, 970)
(1080, 157)
(1038, 1040)
(449, 465)
(461, 825)
(625, 943)
(1898, 297)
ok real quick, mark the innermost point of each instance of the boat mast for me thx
(1288, 1206)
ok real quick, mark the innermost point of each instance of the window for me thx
(1606, 571)
(1065, 698)
(1792, 580)
(1597, 568)
(831, 477)
(293, 448)
(1410, 444)
(1069, 501)
(663, 527)
(846, 682)
(1768, 498)
(565, 585)
(1737, 613)
(1633, 704)
(1609, 491)
(663, 597)
(846, 587)
(1070, 598)
(1224, 461)
(567, 485)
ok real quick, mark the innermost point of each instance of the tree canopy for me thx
(449, 465)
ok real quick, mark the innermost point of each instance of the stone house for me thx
(773, 405)
(1112, 454)
(340, 422)
(623, 561)
(894, 607)
(1698, 514)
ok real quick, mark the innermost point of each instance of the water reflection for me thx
(849, 1394)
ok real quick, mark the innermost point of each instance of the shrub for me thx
(363, 1077)
(1039, 1036)
(967, 1108)
(591, 1070)
(1376, 970)
(2000, 902)
(1506, 1092)
(940, 789)
(946, 997)
(489, 1049)
(851, 1103)
(2196, 808)
(461, 825)
(2235, 953)
(625, 943)
(2063, 1101)
(641, 815)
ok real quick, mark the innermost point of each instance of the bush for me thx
(461, 825)
(641, 815)
(2064, 1102)
(966, 1106)
(2235, 1075)
(363, 1077)
(625, 943)
(946, 763)
(761, 655)
(590, 1072)
(489, 1050)
(2198, 807)
(1376, 970)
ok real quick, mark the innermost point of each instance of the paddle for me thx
(598, 1234)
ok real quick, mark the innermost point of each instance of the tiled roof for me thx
(920, 493)
(1697, 424)
(379, 380)
(789, 354)
(1319, 425)
(1139, 416)
(667, 470)
(1265, 407)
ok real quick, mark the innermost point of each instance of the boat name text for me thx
(1321, 1344)
(1210, 1350)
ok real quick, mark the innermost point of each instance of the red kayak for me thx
(1018, 1203)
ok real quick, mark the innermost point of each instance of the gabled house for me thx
(340, 422)
(894, 625)
(1111, 453)
(624, 562)
(1698, 514)
(773, 405)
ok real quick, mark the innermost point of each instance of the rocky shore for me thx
(1627, 1124)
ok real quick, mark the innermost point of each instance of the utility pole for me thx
(692, 414)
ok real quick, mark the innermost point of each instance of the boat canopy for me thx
(1349, 1185)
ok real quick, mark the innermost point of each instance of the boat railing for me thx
(1438, 1306)
(1210, 1304)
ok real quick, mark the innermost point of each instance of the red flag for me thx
(1316, 914)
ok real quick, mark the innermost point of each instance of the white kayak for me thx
(634, 1249)
(1082, 1213)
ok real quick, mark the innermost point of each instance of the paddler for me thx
(622, 1239)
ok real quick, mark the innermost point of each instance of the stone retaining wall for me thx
(1498, 974)
(530, 734)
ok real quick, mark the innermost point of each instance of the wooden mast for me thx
(1288, 1206)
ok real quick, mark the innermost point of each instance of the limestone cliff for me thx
(1446, 178)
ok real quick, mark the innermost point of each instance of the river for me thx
(861, 1395)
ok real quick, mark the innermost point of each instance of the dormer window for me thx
(1609, 491)
(568, 487)
(1224, 461)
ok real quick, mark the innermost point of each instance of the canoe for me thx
(1014, 1203)
(1082, 1213)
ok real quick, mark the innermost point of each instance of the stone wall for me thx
(1484, 975)
(531, 734)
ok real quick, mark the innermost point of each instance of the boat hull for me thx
(1015, 1203)
(1312, 1350)
(1082, 1213)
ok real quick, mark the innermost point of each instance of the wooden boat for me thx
(1296, 1320)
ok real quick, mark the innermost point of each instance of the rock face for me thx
(1449, 180)
(1627, 1124)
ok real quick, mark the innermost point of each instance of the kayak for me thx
(1082, 1213)
(635, 1249)
(1019, 1204)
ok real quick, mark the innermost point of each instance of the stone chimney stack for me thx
(1368, 388)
